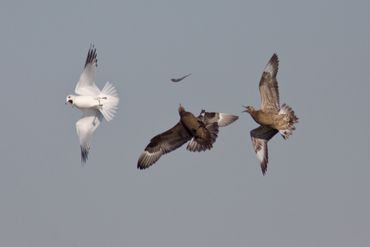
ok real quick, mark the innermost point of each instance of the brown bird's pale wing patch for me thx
(222, 119)
(162, 144)
(269, 89)
(260, 136)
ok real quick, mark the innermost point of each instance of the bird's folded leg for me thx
(94, 121)
(99, 98)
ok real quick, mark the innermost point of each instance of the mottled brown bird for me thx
(201, 131)
(272, 117)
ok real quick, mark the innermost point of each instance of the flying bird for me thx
(272, 117)
(180, 79)
(201, 131)
(94, 104)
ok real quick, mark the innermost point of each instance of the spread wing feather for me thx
(85, 128)
(86, 84)
(260, 136)
(162, 144)
(269, 89)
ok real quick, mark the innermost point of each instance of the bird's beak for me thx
(245, 110)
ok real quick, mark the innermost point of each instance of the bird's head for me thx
(249, 109)
(70, 100)
(181, 108)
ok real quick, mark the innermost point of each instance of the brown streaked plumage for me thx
(260, 136)
(272, 117)
(212, 121)
(269, 89)
(201, 131)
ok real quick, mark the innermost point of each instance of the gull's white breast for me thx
(84, 102)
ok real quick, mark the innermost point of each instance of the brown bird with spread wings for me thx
(272, 117)
(201, 131)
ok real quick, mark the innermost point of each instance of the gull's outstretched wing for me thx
(260, 136)
(85, 128)
(163, 143)
(269, 89)
(86, 84)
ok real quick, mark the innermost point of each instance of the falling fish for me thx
(180, 79)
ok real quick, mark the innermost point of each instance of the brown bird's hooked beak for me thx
(245, 110)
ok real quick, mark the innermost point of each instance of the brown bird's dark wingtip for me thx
(141, 164)
(140, 167)
(274, 59)
(263, 172)
(264, 169)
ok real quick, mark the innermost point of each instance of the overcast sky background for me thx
(316, 191)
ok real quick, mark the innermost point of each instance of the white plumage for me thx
(94, 104)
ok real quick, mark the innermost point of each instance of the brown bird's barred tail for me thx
(291, 118)
(204, 139)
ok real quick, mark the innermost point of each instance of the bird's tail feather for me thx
(291, 119)
(205, 140)
(109, 101)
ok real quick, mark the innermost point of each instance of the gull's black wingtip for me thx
(84, 155)
(91, 55)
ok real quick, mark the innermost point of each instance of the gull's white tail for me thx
(109, 101)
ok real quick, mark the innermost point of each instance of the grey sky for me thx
(316, 191)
